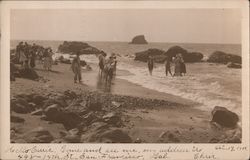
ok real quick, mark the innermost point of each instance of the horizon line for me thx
(148, 42)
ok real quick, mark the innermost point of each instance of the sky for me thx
(158, 25)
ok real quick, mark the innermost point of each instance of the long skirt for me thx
(47, 63)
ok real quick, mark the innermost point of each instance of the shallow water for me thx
(208, 84)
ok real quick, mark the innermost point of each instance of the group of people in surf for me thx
(179, 65)
(27, 55)
(107, 66)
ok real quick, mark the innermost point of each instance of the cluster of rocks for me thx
(70, 47)
(232, 61)
(160, 56)
(87, 117)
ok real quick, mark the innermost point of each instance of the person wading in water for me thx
(76, 68)
(167, 66)
(150, 64)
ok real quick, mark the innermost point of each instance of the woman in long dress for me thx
(177, 68)
(48, 59)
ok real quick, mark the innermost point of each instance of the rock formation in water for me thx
(222, 57)
(160, 55)
(156, 53)
(74, 47)
(140, 39)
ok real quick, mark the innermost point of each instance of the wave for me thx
(196, 87)
(204, 85)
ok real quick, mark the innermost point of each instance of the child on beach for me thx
(76, 68)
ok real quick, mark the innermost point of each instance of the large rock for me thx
(159, 56)
(74, 47)
(114, 136)
(20, 105)
(38, 135)
(187, 56)
(224, 117)
(140, 39)
(222, 57)
(234, 65)
(28, 73)
(113, 119)
(58, 114)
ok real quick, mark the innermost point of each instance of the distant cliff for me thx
(140, 39)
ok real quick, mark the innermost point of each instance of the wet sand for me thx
(148, 125)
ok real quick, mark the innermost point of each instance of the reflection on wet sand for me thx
(103, 85)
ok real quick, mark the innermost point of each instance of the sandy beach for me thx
(145, 115)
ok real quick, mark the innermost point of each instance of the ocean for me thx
(205, 83)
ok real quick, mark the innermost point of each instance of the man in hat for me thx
(76, 68)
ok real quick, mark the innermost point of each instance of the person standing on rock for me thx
(76, 68)
(167, 66)
(150, 64)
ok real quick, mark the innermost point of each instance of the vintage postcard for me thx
(125, 80)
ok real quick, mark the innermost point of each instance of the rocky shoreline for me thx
(92, 117)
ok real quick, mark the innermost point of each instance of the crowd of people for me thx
(27, 55)
(179, 65)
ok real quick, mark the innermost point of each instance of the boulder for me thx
(224, 117)
(114, 136)
(28, 73)
(140, 39)
(234, 65)
(157, 54)
(16, 119)
(95, 106)
(187, 56)
(80, 47)
(19, 108)
(90, 118)
(169, 136)
(113, 119)
(38, 99)
(222, 57)
(53, 113)
(93, 132)
(160, 56)
(38, 135)
(58, 114)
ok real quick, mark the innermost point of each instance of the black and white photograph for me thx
(126, 75)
